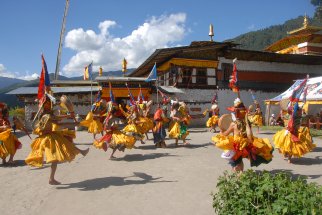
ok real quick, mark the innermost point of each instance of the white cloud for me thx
(5, 73)
(108, 51)
(28, 77)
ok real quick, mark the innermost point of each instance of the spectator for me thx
(280, 121)
(272, 120)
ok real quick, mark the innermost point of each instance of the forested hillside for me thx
(259, 40)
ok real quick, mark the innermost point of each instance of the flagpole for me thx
(91, 74)
(61, 38)
(91, 93)
(156, 84)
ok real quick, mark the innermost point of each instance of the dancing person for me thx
(212, 122)
(178, 128)
(242, 144)
(9, 143)
(159, 132)
(94, 116)
(53, 143)
(294, 140)
(114, 138)
(257, 119)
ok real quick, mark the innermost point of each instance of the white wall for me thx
(225, 97)
(81, 109)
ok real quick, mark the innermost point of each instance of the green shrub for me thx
(265, 193)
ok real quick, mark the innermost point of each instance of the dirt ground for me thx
(144, 180)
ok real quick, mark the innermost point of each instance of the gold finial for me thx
(211, 32)
(100, 71)
(306, 22)
(124, 68)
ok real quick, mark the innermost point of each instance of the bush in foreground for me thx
(265, 193)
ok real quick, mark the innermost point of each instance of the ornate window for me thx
(227, 69)
(201, 76)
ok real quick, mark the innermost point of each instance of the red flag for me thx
(233, 79)
(44, 82)
(41, 86)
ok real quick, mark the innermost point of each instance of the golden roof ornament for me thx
(100, 71)
(306, 22)
(124, 66)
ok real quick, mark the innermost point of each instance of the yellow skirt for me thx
(284, 143)
(259, 151)
(118, 138)
(56, 147)
(256, 120)
(134, 131)
(178, 132)
(212, 121)
(9, 143)
(94, 126)
(146, 124)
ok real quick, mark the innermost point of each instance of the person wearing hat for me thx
(257, 119)
(92, 120)
(133, 127)
(242, 144)
(212, 122)
(114, 138)
(9, 143)
(294, 140)
(159, 133)
(146, 122)
(178, 129)
(53, 143)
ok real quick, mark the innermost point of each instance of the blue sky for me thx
(106, 31)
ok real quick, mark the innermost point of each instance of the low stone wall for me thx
(199, 100)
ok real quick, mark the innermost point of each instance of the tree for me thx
(316, 2)
(318, 9)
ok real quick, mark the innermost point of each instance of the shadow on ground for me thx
(173, 146)
(317, 149)
(194, 146)
(146, 147)
(17, 163)
(140, 157)
(307, 161)
(293, 175)
(189, 146)
(138, 178)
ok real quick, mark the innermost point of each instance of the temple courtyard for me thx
(144, 180)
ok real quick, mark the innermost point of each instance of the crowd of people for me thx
(122, 125)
